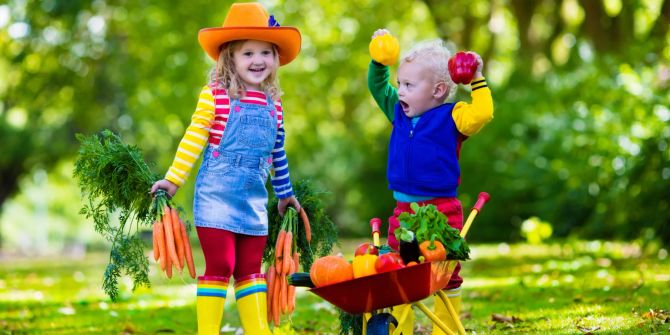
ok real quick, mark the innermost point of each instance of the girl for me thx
(239, 123)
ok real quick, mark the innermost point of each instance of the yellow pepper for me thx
(384, 49)
(364, 265)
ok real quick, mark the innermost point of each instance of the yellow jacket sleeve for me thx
(471, 117)
(194, 140)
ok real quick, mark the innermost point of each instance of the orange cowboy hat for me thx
(250, 21)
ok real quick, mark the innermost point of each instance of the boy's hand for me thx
(380, 32)
(480, 66)
(166, 185)
(283, 203)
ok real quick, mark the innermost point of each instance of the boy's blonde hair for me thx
(434, 55)
(223, 74)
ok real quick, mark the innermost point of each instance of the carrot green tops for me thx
(208, 123)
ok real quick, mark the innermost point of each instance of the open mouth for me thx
(404, 105)
(258, 70)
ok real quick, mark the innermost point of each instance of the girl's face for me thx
(254, 62)
(416, 89)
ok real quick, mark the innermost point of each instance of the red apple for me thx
(462, 67)
(366, 248)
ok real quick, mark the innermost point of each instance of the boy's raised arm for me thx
(471, 117)
(384, 93)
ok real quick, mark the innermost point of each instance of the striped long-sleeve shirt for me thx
(208, 123)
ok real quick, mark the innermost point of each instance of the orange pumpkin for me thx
(330, 270)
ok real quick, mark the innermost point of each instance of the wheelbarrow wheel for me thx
(381, 324)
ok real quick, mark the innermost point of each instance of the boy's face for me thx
(416, 87)
(254, 62)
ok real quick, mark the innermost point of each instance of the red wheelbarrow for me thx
(408, 285)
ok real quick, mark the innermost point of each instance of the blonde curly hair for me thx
(223, 73)
(434, 55)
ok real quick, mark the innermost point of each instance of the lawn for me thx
(570, 288)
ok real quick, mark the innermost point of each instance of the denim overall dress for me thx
(230, 191)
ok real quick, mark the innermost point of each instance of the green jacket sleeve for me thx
(384, 93)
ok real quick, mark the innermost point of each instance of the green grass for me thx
(602, 287)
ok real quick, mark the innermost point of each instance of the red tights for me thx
(227, 253)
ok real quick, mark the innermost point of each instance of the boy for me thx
(426, 138)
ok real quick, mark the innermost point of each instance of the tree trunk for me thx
(9, 179)
(592, 27)
(523, 11)
(660, 29)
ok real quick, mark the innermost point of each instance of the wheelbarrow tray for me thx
(381, 290)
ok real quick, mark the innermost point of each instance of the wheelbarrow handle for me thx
(482, 198)
(375, 224)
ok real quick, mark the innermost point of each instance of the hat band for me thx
(272, 22)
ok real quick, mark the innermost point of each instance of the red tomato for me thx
(389, 262)
(366, 248)
(462, 67)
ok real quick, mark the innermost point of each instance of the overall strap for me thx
(269, 100)
(271, 104)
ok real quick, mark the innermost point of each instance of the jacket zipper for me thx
(411, 148)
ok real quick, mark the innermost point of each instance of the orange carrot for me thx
(270, 287)
(280, 296)
(276, 308)
(288, 240)
(296, 260)
(169, 235)
(305, 221)
(284, 294)
(162, 251)
(279, 249)
(178, 239)
(291, 289)
(168, 267)
(271, 279)
(155, 242)
(187, 250)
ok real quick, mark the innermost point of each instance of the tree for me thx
(582, 112)
(573, 83)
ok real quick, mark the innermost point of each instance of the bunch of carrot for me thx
(170, 240)
(281, 295)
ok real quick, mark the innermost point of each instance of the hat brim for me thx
(287, 39)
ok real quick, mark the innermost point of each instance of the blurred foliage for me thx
(580, 135)
(535, 230)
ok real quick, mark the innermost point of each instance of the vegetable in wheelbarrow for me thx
(366, 248)
(389, 262)
(364, 265)
(433, 250)
(408, 246)
(300, 279)
(427, 221)
(330, 270)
